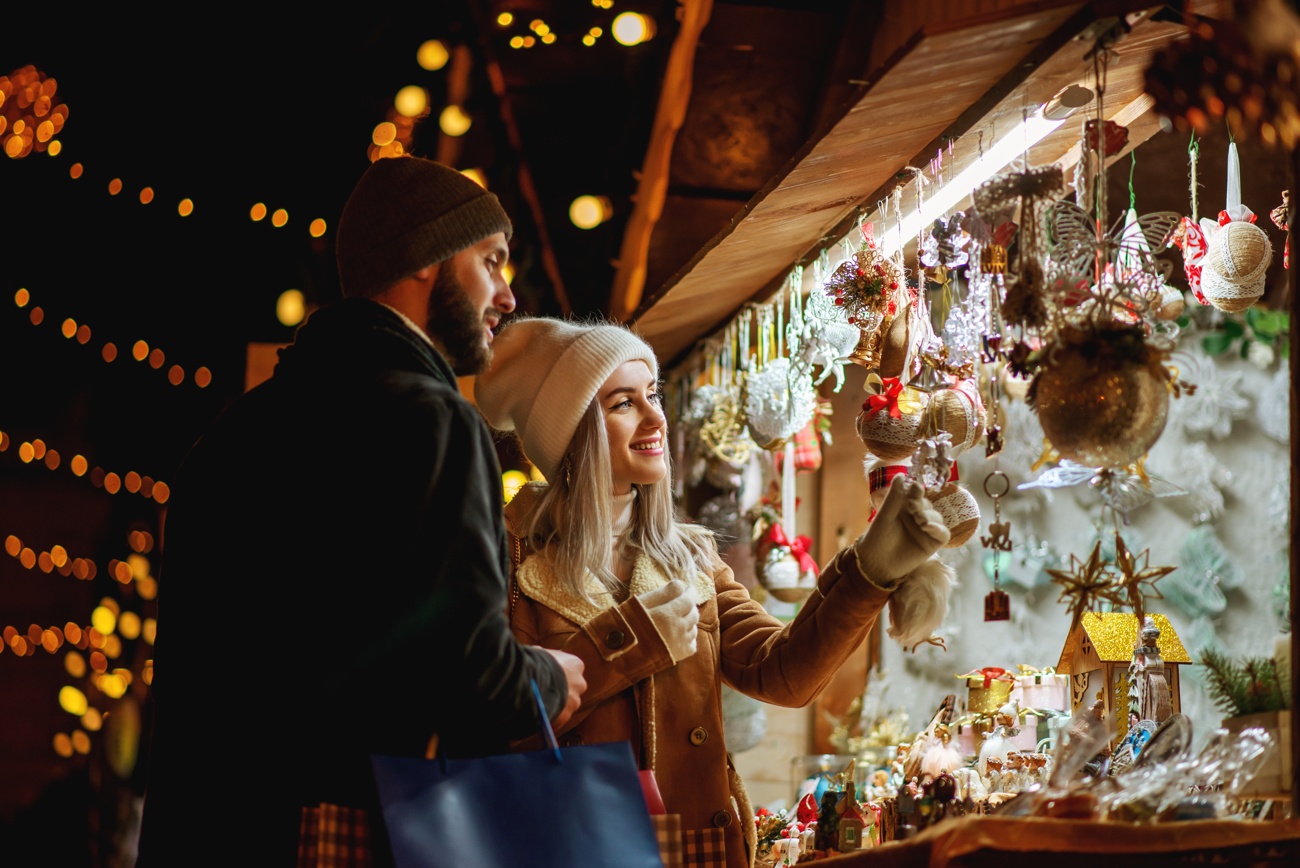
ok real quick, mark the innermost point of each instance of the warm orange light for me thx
(52, 459)
(202, 377)
(475, 175)
(75, 170)
(161, 492)
(279, 218)
(185, 208)
(140, 351)
(112, 483)
(115, 186)
(410, 102)
(146, 195)
(69, 328)
(78, 466)
(175, 375)
(632, 28)
(505, 19)
(37, 316)
(317, 228)
(21, 297)
(453, 121)
(131, 481)
(257, 212)
(291, 307)
(432, 55)
(83, 334)
(156, 358)
(55, 148)
(384, 133)
(109, 352)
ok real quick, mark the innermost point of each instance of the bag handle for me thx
(547, 731)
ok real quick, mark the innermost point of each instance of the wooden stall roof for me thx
(951, 81)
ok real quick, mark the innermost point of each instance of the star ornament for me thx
(1085, 584)
(1136, 579)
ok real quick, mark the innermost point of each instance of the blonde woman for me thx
(609, 573)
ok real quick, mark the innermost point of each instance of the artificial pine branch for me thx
(1252, 686)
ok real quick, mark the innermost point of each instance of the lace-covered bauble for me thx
(891, 430)
(960, 511)
(775, 408)
(1235, 266)
(960, 412)
(1172, 302)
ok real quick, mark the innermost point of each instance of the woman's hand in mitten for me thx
(673, 613)
(902, 536)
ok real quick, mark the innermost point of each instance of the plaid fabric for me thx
(334, 836)
(704, 847)
(668, 832)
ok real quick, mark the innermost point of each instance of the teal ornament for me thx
(1197, 586)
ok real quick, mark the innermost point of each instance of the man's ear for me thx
(428, 272)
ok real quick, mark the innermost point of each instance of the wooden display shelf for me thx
(996, 842)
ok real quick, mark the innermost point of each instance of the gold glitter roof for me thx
(1114, 635)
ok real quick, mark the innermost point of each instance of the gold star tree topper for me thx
(1085, 584)
(1136, 579)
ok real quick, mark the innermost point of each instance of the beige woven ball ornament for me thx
(960, 511)
(889, 423)
(959, 411)
(1236, 262)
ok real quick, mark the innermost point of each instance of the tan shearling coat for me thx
(672, 714)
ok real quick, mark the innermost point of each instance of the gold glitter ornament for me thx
(993, 259)
(1102, 397)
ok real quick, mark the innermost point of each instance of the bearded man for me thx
(334, 566)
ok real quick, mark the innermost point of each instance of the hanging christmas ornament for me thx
(777, 404)
(1084, 585)
(889, 422)
(783, 564)
(1122, 489)
(997, 605)
(1235, 266)
(1135, 580)
(864, 285)
(958, 411)
(960, 511)
(1102, 395)
(1207, 571)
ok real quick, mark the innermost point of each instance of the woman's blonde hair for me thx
(573, 522)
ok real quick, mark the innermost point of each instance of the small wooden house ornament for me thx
(1097, 656)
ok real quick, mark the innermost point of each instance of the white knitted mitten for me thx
(905, 532)
(673, 613)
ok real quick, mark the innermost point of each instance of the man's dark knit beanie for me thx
(406, 213)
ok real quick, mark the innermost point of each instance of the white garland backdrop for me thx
(1226, 445)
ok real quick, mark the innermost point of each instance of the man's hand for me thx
(572, 666)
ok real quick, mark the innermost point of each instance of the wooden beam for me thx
(652, 186)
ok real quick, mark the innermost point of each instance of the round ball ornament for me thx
(889, 423)
(1234, 269)
(958, 411)
(960, 511)
(1171, 304)
(1102, 398)
(785, 578)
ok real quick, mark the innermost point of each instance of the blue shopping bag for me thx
(563, 806)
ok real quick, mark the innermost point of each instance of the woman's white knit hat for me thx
(544, 375)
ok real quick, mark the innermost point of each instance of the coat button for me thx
(722, 819)
(699, 735)
(615, 638)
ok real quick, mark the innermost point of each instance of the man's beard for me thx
(456, 327)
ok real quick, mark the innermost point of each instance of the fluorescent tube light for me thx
(1024, 136)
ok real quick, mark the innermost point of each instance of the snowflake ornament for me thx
(1205, 479)
(1217, 401)
(1273, 405)
(1197, 586)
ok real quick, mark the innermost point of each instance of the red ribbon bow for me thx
(990, 673)
(1225, 218)
(798, 547)
(887, 399)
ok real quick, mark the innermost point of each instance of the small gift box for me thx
(1042, 689)
(987, 689)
